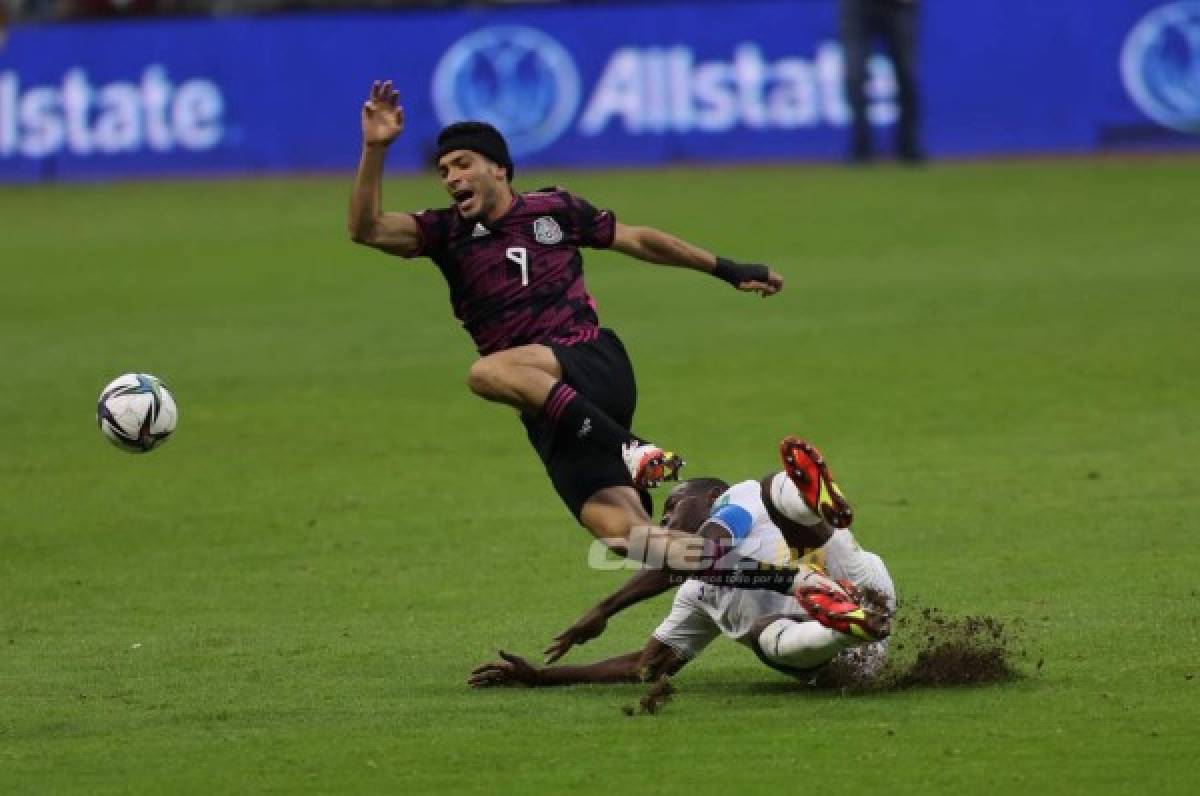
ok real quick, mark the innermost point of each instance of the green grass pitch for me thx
(1001, 361)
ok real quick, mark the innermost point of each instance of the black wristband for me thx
(736, 273)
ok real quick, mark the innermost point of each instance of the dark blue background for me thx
(999, 77)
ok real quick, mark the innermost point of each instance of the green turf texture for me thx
(1001, 362)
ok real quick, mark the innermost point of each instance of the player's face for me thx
(474, 183)
(686, 508)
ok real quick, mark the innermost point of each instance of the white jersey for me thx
(842, 559)
(741, 511)
(701, 612)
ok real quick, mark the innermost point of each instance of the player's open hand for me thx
(772, 285)
(591, 625)
(512, 670)
(382, 115)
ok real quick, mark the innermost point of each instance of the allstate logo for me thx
(1160, 64)
(516, 78)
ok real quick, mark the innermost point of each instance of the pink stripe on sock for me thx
(548, 407)
(553, 408)
(568, 395)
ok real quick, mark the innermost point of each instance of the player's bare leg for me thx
(529, 378)
(615, 516)
(795, 645)
(521, 377)
(611, 513)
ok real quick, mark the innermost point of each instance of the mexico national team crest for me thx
(546, 230)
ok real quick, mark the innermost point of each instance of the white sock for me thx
(801, 645)
(788, 502)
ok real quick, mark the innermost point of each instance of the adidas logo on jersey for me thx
(480, 230)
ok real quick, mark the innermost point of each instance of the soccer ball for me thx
(136, 412)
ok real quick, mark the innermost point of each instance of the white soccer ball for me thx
(136, 412)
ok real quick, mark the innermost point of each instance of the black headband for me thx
(476, 137)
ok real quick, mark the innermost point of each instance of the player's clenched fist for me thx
(382, 115)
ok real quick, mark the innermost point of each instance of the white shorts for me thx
(688, 629)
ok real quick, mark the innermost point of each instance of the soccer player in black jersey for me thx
(515, 274)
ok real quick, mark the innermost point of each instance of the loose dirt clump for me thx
(929, 649)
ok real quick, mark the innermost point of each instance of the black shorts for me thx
(601, 371)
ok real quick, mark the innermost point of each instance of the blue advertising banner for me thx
(621, 84)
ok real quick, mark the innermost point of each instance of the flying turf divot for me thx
(933, 649)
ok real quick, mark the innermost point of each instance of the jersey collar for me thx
(517, 201)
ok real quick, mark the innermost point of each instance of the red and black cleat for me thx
(808, 471)
(841, 613)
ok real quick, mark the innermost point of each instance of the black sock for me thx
(572, 413)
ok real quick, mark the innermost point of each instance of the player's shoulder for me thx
(550, 199)
(747, 494)
(446, 218)
(739, 509)
(445, 224)
(439, 213)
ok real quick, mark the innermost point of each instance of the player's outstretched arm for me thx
(671, 555)
(382, 123)
(515, 670)
(655, 246)
(644, 665)
(643, 585)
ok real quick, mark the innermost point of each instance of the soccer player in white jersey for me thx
(794, 618)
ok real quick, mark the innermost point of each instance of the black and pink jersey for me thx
(519, 280)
